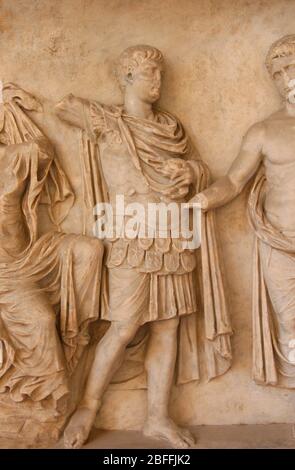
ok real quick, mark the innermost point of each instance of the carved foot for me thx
(178, 437)
(79, 427)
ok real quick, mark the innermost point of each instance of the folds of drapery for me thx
(44, 268)
(49, 270)
(267, 352)
(51, 186)
(216, 315)
(155, 139)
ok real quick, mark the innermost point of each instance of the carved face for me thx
(283, 74)
(146, 81)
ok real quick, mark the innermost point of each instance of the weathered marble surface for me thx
(218, 87)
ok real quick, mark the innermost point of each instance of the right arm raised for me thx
(73, 110)
(81, 113)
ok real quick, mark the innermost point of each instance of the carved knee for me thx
(86, 248)
(125, 332)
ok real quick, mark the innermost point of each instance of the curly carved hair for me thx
(132, 57)
(284, 47)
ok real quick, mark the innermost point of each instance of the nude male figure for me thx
(269, 146)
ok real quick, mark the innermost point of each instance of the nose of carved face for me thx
(284, 85)
(286, 81)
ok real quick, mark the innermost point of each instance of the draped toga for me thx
(273, 295)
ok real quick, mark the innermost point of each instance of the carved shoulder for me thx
(254, 137)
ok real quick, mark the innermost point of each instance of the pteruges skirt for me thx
(141, 297)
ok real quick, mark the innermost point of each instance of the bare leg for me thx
(108, 358)
(160, 366)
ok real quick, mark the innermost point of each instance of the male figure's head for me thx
(139, 71)
(280, 63)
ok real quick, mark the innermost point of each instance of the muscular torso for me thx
(279, 162)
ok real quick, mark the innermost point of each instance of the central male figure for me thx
(146, 156)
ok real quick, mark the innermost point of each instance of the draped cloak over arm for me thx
(149, 141)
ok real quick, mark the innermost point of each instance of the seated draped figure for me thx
(49, 285)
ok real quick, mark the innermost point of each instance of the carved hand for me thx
(182, 175)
